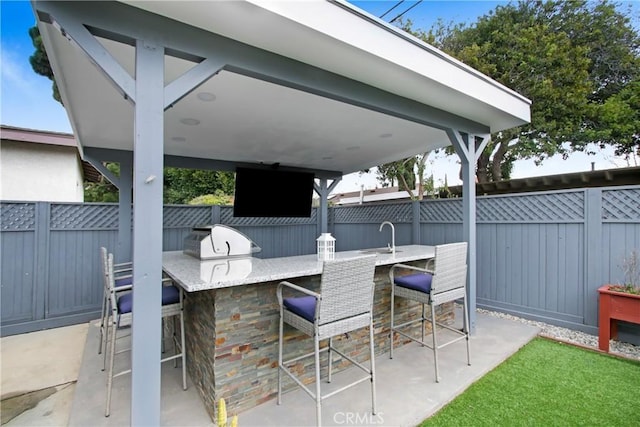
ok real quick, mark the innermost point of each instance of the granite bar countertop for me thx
(195, 275)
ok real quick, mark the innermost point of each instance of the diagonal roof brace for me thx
(82, 37)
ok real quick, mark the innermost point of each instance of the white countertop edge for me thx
(185, 269)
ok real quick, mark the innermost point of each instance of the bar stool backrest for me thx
(450, 267)
(346, 288)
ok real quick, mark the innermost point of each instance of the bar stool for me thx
(443, 280)
(121, 315)
(344, 304)
(123, 282)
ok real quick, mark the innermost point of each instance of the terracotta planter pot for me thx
(615, 306)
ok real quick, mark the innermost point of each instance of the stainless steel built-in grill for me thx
(218, 241)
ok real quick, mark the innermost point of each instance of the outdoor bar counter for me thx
(232, 316)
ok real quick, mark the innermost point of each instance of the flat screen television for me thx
(272, 193)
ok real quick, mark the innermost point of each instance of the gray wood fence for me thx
(540, 255)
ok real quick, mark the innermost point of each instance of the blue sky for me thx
(425, 14)
(26, 99)
(26, 96)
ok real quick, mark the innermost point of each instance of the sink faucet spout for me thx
(392, 245)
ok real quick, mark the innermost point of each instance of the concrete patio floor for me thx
(39, 374)
(50, 361)
(406, 390)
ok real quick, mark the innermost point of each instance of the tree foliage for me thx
(577, 61)
(102, 191)
(409, 174)
(182, 185)
(219, 198)
(620, 115)
(40, 61)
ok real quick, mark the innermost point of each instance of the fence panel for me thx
(75, 281)
(620, 236)
(619, 239)
(540, 255)
(77, 231)
(277, 237)
(18, 276)
(533, 269)
(358, 227)
(440, 221)
(179, 220)
(18, 222)
(362, 236)
(531, 255)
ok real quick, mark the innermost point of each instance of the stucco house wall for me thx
(39, 166)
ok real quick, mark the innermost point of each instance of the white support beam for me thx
(78, 33)
(469, 148)
(333, 185)
(147, 233)
(323, 190)
(459, 143)
(193, 78)
(100, 167)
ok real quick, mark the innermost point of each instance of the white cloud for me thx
(26, 96)
(17, 74)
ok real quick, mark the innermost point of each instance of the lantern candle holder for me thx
(326, 247)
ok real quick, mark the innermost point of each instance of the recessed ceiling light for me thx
(206, 96)
(179, 139)
(386, 135)
(190, 122)
(353, 147)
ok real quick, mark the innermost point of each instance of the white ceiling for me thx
(251, 120)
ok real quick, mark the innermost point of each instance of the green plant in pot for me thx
(620, 301)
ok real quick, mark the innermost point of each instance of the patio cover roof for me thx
(315, 85)
(343, 92)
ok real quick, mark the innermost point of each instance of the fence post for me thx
(331, 220)
(593, 254)
(215, 214)
(41, 261)
(415, 222)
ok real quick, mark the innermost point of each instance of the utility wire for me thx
(412, 6)
(393, 7)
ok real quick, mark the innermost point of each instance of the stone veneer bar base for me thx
(232, 340)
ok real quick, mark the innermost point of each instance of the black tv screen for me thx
(272, 193)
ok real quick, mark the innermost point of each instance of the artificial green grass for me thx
(547, 383)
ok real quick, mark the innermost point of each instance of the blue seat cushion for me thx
(126, 281)
(304, 307)
(170, 295)
(418, 282)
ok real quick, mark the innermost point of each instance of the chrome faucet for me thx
(392, 246)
